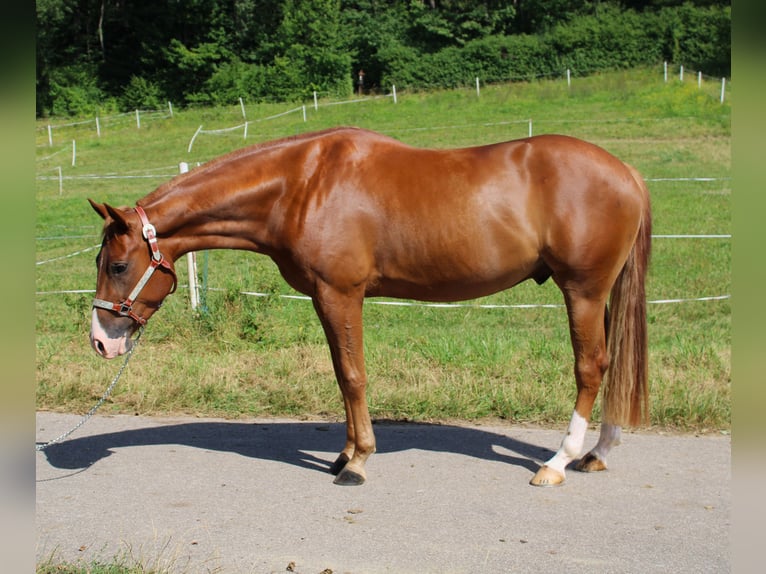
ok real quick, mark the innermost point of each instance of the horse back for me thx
(420, 222)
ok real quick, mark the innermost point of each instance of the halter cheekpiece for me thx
(125, 307)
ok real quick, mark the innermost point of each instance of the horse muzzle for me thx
(106, 345)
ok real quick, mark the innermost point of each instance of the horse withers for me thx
(348, 213)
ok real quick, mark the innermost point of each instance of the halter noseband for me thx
(125, 307)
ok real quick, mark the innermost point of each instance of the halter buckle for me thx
(149, 232)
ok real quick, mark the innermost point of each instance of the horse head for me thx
(128, 291)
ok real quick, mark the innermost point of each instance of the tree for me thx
(67, 54)
(311, 54)
(537, 16)
(95, 53)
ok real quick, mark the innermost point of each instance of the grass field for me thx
(253, 356)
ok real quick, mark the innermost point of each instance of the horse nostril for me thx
(99, 347)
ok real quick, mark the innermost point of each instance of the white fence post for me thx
(98, 127)
(170, 108)
(74, 152)
(242, 106)
(569, 78)
(699, 79)
(530, 127)
(50, 136)
(723, 88)
(245, 134)
(138, 119)
(61, 180)
(316, 102)
(666, 72)
(191, 259)
(393, 89)
(304, 114)
(478, 90)
(681, 74)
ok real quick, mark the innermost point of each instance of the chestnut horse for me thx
(347, 214)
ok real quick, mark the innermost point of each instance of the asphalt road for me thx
(196, 495)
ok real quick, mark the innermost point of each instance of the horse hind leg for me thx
(595, 460)
(609, 437)
(586, 323)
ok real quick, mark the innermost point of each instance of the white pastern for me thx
(608, 438)
(103, 344)
(571, 446)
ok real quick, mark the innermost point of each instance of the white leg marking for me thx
(608, 438)
(571, 446)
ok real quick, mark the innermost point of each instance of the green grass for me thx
(123, 563)
(266, 356)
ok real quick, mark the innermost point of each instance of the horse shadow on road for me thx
(295, 442)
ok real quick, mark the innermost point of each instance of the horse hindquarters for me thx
(614, 350)
(626, 384)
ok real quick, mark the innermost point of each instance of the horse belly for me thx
(457, 271)
(442, 292)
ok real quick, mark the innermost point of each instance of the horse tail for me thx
(625, 397)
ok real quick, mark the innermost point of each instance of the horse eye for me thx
(118, 268)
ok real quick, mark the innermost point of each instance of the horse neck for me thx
(213, 209)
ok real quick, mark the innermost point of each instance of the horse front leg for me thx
(341, 317)
(586, 323)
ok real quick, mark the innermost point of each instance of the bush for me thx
(610, 39)
(74, 91)
(399, 64)
(699, 38)
(493, 59)
(140, 93)
(284, 79)
(513, 58)
(236, 79)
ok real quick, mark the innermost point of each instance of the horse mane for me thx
(239, 154)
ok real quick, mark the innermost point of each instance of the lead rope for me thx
(92, 411)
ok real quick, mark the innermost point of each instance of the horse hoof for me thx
(546, 476)
(339, 464)
(348, 478)
(590, 463)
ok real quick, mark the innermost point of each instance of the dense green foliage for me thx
(110, 55)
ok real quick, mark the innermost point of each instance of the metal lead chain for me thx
(92, 411)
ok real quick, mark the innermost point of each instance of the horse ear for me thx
(105, 210)
(120, 223)
(98, 208)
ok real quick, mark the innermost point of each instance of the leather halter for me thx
(125, 307)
